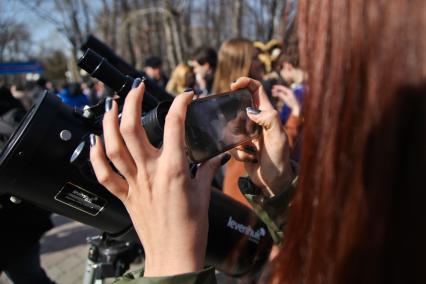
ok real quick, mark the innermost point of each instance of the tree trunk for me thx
(128, 34)
(271, 24)
(237, 20)
(169, 41)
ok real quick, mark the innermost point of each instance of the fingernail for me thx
(136, 83)
(225, 159)
(250, 149)
(108, 104)
(188, 90)
(198, 92)
(193, 170)
(252, 110)
(233, 81)
(92, 139)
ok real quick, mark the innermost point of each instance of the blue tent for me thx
(21, 67)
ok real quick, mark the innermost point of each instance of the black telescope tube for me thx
(105, 51)
(99, 68)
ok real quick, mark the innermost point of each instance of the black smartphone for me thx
(218, 123)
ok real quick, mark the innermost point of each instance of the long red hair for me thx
(359, 214)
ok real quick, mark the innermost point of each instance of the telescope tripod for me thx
(108, 258)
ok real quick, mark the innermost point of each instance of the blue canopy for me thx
(21, 67)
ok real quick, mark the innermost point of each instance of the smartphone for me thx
(218, 123)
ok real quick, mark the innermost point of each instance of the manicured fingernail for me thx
(233, 81)
(225, 159)
(250, 149)
(108, 104)
(193, 170)
(136, 83)
(92, 139)
(252, 110)
(188, 90)
(198, 92)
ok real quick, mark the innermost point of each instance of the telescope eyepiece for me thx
(99, 68)
(89, 61)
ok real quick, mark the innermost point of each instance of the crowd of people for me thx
(344, 207)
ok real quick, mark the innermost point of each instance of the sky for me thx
(44, 34)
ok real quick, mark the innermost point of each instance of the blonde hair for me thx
(180, 79)
(234, 61)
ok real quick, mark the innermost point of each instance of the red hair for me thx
(357, 216)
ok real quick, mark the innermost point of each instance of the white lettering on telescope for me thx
(246, 230)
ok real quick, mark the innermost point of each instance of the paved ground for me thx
(64, 252)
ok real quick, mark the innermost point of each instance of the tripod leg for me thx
(89, 273)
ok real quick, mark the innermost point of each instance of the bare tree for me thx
(14, 39)
(70, 17)
(171, 29)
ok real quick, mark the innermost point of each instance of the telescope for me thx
(46, 162)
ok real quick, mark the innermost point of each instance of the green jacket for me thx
(272, 211)
(206, 276)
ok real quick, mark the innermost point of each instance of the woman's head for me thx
(357, 216)
(182, 78)
(235, 59)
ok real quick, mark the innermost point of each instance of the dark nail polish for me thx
(252, 110)
(136, 83)
(193, 170)
(188, 90)
(198, 92)
(233, 81)
(108, 104)
(92, 139)
(225, 159)
(250, 149)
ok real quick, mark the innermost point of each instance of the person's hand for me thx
(288, 97)
(168, 208)
(266, 159)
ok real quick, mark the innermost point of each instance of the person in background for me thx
(290, 115)
(28, 92)
(72, 95)
(182, 78)
(89, 90)
(237, 58)
(22, 224)
(24, 93)
(153, 70)
(46, 84)
(289, 90)
(204, 61)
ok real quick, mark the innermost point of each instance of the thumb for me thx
(267, 119)
(208, 169)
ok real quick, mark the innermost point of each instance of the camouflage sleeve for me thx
(206, 276)
(272, 211)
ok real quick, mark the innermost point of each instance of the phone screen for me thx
(215, 124)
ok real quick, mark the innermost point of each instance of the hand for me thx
(288, 97)
(266, 159)
(169, 210)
